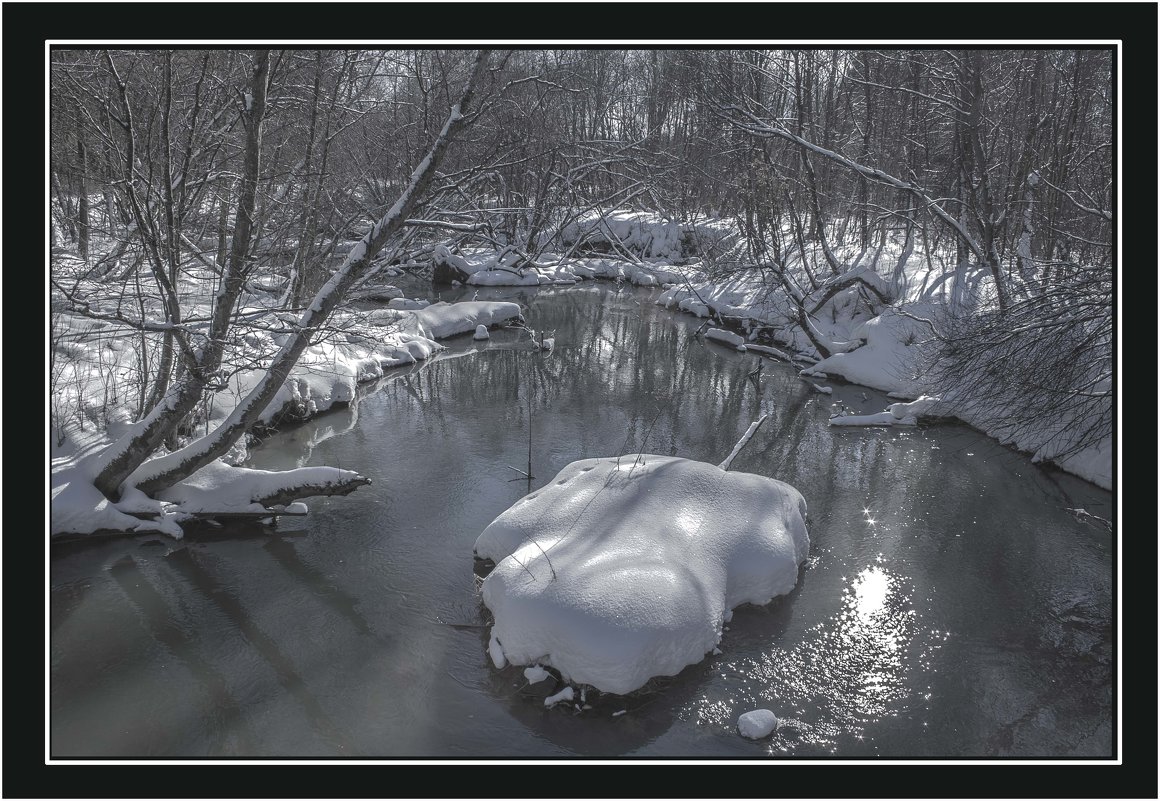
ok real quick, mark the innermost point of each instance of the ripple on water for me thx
(855, 668)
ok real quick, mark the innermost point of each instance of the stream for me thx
(951, 605)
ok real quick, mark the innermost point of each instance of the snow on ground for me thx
(757, 724)
(650, 234)
(359, 348)
(621, 569)
(1093, 463)
(488, 268)
(889, 348)
(78, 508)
(894, 356)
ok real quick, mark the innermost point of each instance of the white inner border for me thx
(1004, 44)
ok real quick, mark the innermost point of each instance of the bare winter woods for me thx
(202, 201)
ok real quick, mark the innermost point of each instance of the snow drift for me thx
(649, 234)
(621, 569)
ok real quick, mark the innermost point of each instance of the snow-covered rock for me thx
(441, 320)
(481, 332)
(621, 569)
(566, 694)
(757, 724)
(407, 303)
(535, 674)
(507, 278)
(448, 268)
(726, 337)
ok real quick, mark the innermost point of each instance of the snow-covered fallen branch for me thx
(741, 443)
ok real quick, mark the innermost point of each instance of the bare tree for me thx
(156, 208)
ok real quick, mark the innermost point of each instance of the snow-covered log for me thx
(896, 414)
(342, 486)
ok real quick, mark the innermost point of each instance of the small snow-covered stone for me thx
(757, 724)
(481, 332)
(407, 304)
(535, 674)
(495, 650)
(726, 337)
(565, 694)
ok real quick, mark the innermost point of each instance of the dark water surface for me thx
(950, 605)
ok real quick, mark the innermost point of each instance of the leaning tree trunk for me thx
(164, 471)
(129, 452)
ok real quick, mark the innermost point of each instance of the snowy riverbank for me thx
(892, 351)
(359, 348)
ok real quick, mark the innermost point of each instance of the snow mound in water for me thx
(442, 320)
(621, 569)
(757, 724)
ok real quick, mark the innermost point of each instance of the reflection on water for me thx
(845, 672)
(949, 606)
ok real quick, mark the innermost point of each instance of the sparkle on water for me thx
(359, 631)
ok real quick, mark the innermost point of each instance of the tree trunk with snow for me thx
(128, 453)
(164, 471)
(1027, 269)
